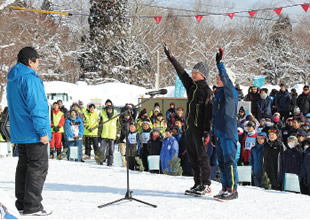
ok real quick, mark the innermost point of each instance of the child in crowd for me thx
(57, 125)
(170, 148)
(287, 130)
(301, 136)
(154, 115)
(249, 141)
(256, 158)
(145, 135)
(161, 124)
(296, 125)
(156, 108)
(277, 121)
(261, 125)
(155, 143)
(170, 114)
(141, 118)
(179, 115)
(272, 151)
(74, 131)
(133, 146)
(290, 159)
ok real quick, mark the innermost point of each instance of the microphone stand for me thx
(128, 195)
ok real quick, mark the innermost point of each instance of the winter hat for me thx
(240, 130)
(249, 118)
(133, 123)
(156, 129)
(231, 75)
(27, 53)
(147, 122)
(156, 110)
(301, 132)
(251, 124)
(276, 114)
(307, 115)
(73, 110)
(143, 112)
(241, 109)
(273, 130)
(160, 114)
(202, 68)
(169, 130)
(293, 138)
(80, 102)
(156, 104)
(262, 134)
(283, 84)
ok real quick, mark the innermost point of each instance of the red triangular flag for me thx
(305, 7)
(278, 11)
(198, 18)
(252, 13)
(231, 15)
(157, 19)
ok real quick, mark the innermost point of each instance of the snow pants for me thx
(198, 157)
(56, 139)
(107, 148)
(88, 142)
(226, 153)
(30, 176)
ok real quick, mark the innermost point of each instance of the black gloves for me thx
(219, 55)
(167, 51)
(56, 129)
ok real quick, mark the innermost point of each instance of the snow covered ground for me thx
(74, 190)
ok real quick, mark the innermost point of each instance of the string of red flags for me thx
(158, 19)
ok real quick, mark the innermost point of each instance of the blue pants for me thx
(107, 147)
(77, 143)
(226, 152)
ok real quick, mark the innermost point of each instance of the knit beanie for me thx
(202, 68)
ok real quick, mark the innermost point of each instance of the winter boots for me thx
(199, 190)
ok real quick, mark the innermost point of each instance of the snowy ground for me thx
(74, 190)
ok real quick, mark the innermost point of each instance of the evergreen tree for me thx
(113, 50)
(175, 165)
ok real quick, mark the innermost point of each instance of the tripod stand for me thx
(128, 195)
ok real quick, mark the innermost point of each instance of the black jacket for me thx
(305, 167)
(290, 163)
(272, 153)
(199, 104)
(303, 103)
(283, 101)
(154, 146)
(293, 102)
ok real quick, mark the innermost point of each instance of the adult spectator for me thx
(30, 129)
(171, 112)
(240, 93)
(294, 97)
(253, 97)
(264, 105)
(283, 101)
(303, 101)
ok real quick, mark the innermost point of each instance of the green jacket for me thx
(91, 124)
(109, 129)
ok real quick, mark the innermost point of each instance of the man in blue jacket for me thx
(224, 125)
(30, 129)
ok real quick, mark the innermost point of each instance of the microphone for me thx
(158, 92)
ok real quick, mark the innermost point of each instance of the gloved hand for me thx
(167, 51)
(206, 138)
(56, 129)
(219, 55)
(76, 137)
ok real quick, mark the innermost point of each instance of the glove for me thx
(56, 129)
(206, 138)
(76, 137)
(219, 56)
(167, 51)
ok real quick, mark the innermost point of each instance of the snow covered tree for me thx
(279, 52)
(113, 50)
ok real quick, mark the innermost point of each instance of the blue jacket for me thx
(225, 106)
(256, 159)
(169, 148)
(28, 106)
(282, 101)
(78, 122)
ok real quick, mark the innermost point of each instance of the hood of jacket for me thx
(20, 70)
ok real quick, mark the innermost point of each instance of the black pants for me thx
(64, 140)
(132, 163)
(88, 141)
(30, 176)
(198, 157)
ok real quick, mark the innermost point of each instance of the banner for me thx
(259, 81)
(179, 90)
